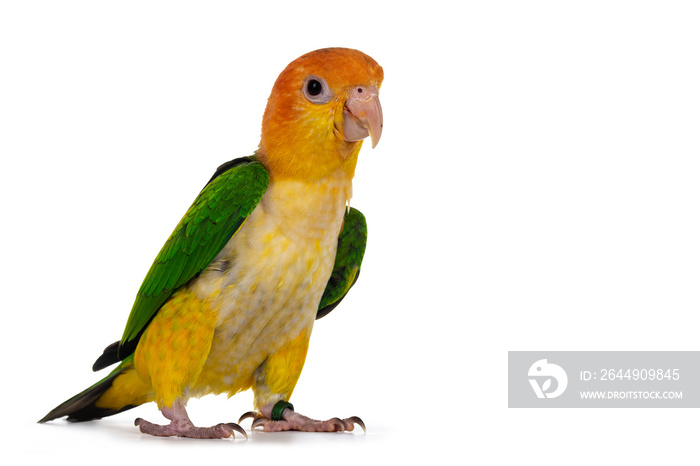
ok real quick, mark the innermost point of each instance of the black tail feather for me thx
(82, 406)
(109, 356)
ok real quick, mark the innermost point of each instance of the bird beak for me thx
(363, 115)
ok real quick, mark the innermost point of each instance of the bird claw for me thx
(348, 424)
(239, 429)
(249, 415)
(259, 422)
(338, 423)
(258, 419)
(358, 421)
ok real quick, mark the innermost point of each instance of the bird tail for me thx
(122, 389)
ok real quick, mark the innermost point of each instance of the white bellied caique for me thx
(268, 246)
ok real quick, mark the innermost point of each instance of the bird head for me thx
(321, 108)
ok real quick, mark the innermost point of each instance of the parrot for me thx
(268, 246)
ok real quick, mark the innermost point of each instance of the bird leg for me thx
(181, 426)
(291, 420)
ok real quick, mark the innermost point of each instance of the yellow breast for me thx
(266, 284)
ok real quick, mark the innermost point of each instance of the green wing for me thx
(346, 269)
(214, 217)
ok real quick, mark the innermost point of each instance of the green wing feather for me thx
(214, 217)
(346, 269)
(211, 221)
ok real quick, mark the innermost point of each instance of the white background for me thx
(536, 188)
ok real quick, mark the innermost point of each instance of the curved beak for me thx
(363, 115)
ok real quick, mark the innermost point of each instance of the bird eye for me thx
(316, 90)
(314, 87)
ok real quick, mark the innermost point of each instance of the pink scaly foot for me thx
(181, 426)
(291, 420)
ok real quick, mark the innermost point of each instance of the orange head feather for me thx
(321, 108)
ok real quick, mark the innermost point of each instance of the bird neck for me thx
(296, 158)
